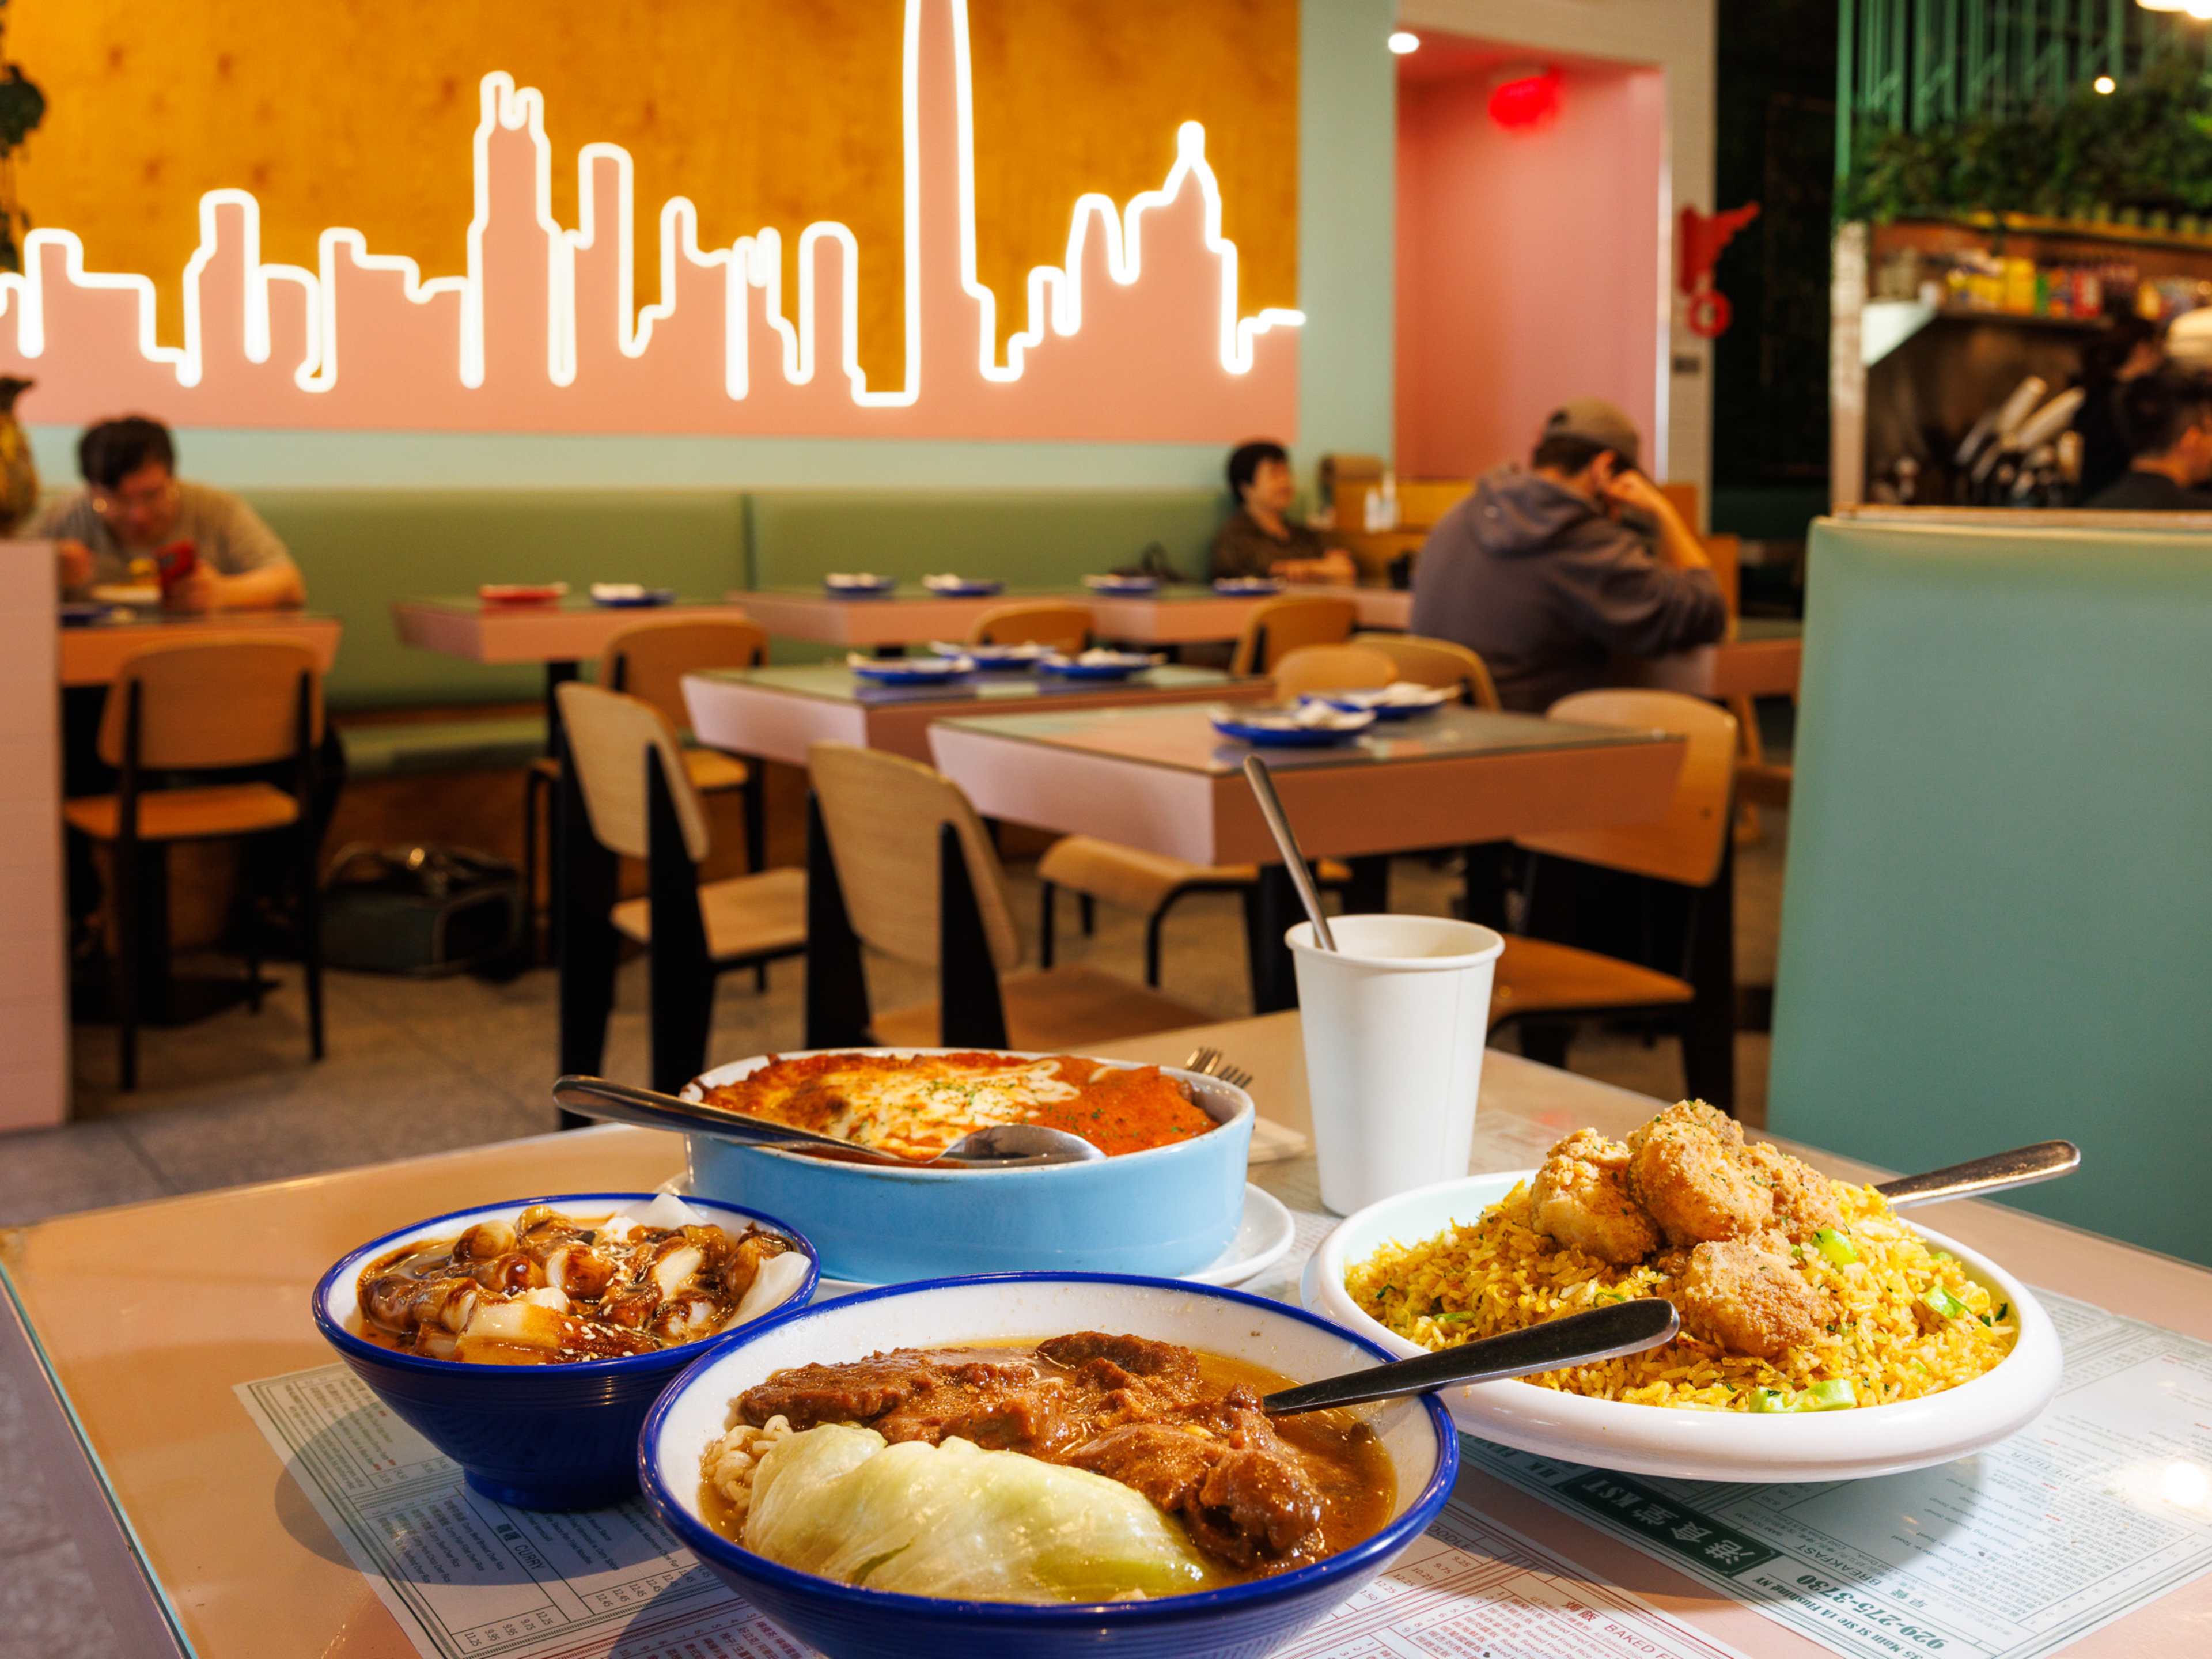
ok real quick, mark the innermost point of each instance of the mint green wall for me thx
(1347, 97)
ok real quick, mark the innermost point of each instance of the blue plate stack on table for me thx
(858, 585)
(1311, 725)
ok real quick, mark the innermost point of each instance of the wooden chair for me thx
(649, 661)
(640, 802)
(1279, 627)
(1312, 668)
(209, 706)
(1439, 663)
(1687, 847)
(1151, 883)
(904, 867)
(1065, 628)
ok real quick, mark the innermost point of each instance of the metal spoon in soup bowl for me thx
(1001, 1146)
(1582, 1338)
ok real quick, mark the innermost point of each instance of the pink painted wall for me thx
(1529, 263)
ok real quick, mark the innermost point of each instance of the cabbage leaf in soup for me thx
(953, 1520)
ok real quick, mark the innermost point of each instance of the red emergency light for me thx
(1526, 102)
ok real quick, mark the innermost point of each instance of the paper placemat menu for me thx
(468, 1578)
(2101, 1505)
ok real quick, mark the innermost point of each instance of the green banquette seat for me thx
(1997, 922)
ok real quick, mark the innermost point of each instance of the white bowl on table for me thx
(1699, 1445)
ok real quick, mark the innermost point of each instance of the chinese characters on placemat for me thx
(464, 1577)
(2101, 1505)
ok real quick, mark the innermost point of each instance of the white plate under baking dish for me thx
(1698, 1445)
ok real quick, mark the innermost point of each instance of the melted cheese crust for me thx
(917, 1105)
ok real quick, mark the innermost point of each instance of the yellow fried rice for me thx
(1499, 1273)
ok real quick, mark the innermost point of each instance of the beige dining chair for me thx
(1315, 668)
(213, 705)
(917, 881)
(1151, 883)
(1686, 845)
(640, 803)
(649, 661)
(1443, 664)
(1065, 628)
(1279, 627)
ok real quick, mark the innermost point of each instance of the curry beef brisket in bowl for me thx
(1165, 1200)
(1038, 1464)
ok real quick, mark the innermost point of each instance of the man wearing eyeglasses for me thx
(209, 551)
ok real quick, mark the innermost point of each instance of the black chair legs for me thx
(534, 783)
(682, 1012)
(1047, 904)
(311, 939)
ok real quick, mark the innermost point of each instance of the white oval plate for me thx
(1263, 1238)
(1694, 1445)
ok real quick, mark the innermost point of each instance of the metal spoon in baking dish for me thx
(2023, 1166)
(1002, 1146)
(1580, 1338)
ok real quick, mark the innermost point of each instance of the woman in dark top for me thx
(1259, 540)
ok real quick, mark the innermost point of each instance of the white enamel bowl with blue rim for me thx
(1241, 1622)
(538, 1436)
(1168, 1210)
(1697, 1446)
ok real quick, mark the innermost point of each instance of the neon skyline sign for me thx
(1136, 335)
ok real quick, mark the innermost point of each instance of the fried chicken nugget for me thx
(1804, 1200)
(1686, 1166)
(1580, 1197)
(1747, 1299)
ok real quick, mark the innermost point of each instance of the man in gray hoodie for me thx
(1535, 573)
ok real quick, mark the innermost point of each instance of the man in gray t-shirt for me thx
(134, 507)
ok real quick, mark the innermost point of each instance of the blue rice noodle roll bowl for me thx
(1036, 1605)
(546, 1436)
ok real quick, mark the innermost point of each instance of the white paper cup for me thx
(1395, 1019)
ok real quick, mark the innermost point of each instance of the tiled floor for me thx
(419, 1066)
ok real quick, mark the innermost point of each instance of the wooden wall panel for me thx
(763, 112)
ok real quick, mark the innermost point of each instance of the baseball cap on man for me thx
(1595, 420)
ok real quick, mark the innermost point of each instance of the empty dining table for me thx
(1164, 781)
(907, 615)
(780, 712)
(560, 636)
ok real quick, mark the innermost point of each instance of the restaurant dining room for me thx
(1182, 828)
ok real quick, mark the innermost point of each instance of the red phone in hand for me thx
(175, 563)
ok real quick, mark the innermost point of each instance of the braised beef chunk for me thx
(1138, 1412)
(1136, 1355)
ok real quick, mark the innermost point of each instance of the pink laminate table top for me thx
(778, 713)
(573, 631)
(146, 1317)
(1164, 781)
(89, 655)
